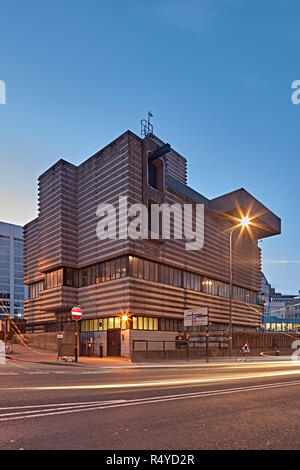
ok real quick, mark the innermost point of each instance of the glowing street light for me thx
(244, 222)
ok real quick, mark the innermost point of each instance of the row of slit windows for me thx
(141, 269)
(134, 323)
(290, 326)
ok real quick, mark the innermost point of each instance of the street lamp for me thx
(124, 319)
(244, 222)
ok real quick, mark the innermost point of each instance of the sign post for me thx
(76, 313)
(207, 337)
(198, 317)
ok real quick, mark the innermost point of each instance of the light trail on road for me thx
(30, 412)
(160, 383)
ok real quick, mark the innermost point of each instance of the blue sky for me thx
(216, 74)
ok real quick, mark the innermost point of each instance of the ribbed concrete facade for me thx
(66, 263)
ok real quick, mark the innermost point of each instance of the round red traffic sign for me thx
(76, 313)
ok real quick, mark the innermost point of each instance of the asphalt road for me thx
(233, 406)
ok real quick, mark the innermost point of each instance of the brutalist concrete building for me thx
(137, 289)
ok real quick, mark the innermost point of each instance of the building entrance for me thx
(114, 342)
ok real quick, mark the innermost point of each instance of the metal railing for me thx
(179, 345)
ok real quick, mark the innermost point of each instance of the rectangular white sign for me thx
(196, 317)
(188, 318)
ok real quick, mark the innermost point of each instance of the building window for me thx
(142, 269)
(137, 323)
(140, 323)
(54, 279)
(155, 174)
(35, 288)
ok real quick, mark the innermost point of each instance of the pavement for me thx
(39, 356)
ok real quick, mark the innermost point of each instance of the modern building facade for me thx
(151, 281)
(12, 288)
(280, 311)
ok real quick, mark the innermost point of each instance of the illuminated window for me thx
(140, 273)
(146, 270)
(134, 323)
(133, 266)
(110, 323)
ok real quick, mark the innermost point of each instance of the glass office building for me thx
(12, 289)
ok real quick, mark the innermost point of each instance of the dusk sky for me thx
(216, 74)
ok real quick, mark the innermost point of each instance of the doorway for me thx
(113, 342)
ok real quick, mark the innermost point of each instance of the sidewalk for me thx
(39, 356)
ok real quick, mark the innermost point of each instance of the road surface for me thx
(219, 406)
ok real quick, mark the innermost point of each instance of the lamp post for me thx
(244, 222)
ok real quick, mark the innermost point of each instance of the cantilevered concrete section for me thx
(241, 203)
(235, 205)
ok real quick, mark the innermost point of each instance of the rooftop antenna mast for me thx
(146, 126)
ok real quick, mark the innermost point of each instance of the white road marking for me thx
(9, 373)
(64, 408)
(58, 404)
(37, 373)
(41, 372)
(12, 363)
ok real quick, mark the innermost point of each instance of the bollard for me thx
(187, 351)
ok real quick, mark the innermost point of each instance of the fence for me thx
(216, 345)
(166, 349)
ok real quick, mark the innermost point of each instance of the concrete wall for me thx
(125, 343)
(46, 341)
(155, 339)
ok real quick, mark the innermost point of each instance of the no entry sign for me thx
(76, 313)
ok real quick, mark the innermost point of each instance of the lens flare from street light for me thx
(245, 221)
(124, 318)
